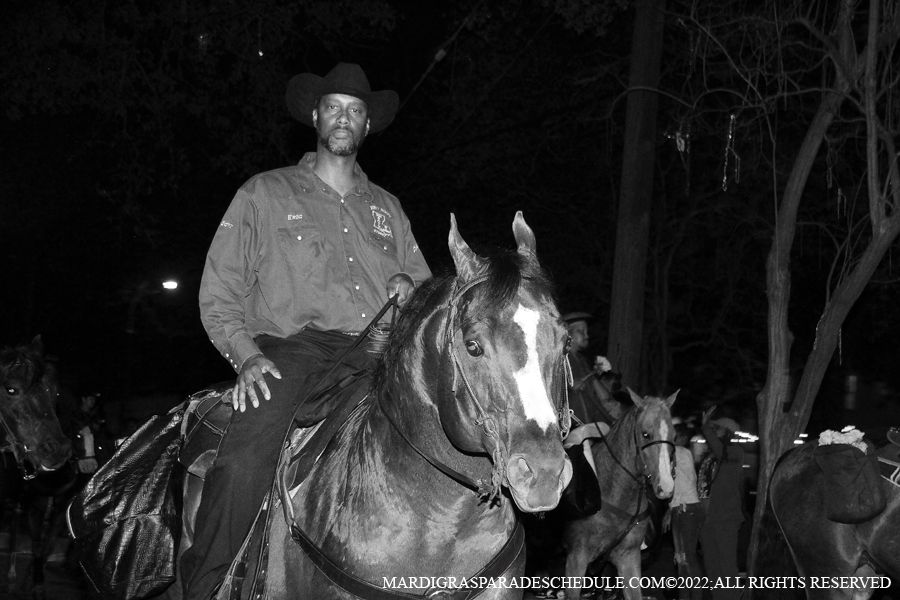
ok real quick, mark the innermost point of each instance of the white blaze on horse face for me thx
(532, 390)
(665, 461)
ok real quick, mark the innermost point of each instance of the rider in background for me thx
(91, 444)
(724, 507)
(588, 399)
(303, 259)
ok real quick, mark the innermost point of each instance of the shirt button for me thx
(227, 355)
(346, 230)
(342, 200)
(385, 248)
(351, 259)
(364, 315)
(356, 286)
(299, 237)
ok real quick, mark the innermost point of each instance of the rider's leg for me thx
(244, 468)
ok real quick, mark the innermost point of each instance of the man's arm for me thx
(412, 262)
(228, 276)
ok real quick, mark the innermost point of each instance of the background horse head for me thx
(27, 395)
(635, 458)
(654, 436)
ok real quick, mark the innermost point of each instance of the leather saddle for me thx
(205, 425)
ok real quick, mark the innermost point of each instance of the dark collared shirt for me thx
(292, 253)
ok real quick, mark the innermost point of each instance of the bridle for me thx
(641, 478)
(488, 489)
(485, 421)
(514, 546)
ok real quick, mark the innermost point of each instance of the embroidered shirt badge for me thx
(380, 222)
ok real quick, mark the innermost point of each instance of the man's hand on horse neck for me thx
(252, 372)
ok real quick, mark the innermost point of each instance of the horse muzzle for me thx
(537, 485)
(52, 455)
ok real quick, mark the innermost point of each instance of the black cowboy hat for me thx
(304, 91)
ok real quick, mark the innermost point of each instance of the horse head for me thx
(507, 351)
(27, 412)
(654, 437)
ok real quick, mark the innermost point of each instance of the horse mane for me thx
(504, 271)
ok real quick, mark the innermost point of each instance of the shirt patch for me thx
(380, 222)
(294, 217)
(225, 224)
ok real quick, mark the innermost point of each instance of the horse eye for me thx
(474, 348)
(568, 345)
(646, 435)
(11, 391)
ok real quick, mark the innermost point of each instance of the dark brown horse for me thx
(34, 448)
(417, 489)
(821, 547)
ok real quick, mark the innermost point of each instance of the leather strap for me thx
(445, 469)
(351, 584)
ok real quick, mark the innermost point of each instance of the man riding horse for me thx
(303, 259)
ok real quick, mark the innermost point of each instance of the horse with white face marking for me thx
(635, 458)
(463, 422)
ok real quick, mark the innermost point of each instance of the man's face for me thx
(578, 331)
(341, 123)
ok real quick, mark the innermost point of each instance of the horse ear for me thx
(671, 399)
(638, 400)
(37, 344)
(524, 236)
(466, 261)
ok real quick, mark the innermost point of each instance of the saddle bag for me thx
(852, 483)
(581, 498)
(125, 522)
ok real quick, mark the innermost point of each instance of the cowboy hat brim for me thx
(304, 91)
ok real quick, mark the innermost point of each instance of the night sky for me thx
(129, 125)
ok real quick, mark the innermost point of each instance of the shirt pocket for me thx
(385, 247)
(301, 247)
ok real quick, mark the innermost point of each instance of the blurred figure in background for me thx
(686, 516)
(725, 510)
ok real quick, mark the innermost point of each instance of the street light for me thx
(142, 291)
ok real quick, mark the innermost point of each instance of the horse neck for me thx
(615, 455)
(409, 399)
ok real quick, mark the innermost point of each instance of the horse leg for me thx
(39, 525)
(627, 559)
(11, 575)
(583, 541)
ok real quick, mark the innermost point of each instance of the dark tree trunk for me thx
(633, 219)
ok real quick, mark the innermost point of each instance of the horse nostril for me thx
(519, 473)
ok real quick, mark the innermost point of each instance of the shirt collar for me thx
(309, 180)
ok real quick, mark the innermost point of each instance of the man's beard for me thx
(347, 147)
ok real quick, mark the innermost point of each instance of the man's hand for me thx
(252, 372)
(402, 286)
